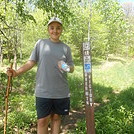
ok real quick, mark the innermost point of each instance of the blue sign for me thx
(87, 68)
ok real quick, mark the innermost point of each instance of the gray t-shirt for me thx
(50, 81)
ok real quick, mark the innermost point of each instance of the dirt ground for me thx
(68, 122)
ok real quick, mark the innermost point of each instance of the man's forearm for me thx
(25, 68)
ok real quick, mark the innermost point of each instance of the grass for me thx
(115, 74)
(113, 92)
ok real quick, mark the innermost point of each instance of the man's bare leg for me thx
(42, 127)
(55, 123)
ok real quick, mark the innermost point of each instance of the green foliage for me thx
(21, 111)
(23, 13)
(114, 113)
(112, 17)
(118, 75)
(117, 116)
(13, 16)
(58, 8)
(110, 33)
(81, 129)
(76, 88)
(33, 32)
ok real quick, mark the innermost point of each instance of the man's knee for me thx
(44, 121)
(55, 117)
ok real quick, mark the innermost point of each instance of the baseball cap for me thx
(55, 19)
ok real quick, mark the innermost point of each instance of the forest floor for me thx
(109, 79)
(69, 122)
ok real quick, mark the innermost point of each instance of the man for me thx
(51, 91)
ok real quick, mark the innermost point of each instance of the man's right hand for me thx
(11, 72)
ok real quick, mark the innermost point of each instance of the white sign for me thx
(87, 59)
(86, 46)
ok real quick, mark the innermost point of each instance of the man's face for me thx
(55, 30)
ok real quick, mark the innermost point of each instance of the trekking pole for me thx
(6, 99)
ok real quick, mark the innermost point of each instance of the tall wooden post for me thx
(89, 97)
(87, 71)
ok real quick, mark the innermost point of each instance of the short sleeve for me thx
(35, 53)
(69, 57)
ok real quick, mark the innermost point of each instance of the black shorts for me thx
(45, 106)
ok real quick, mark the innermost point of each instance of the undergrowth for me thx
(113, 93)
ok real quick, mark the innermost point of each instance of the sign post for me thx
(89, 100)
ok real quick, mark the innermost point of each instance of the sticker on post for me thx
(87, 68)
(86, 46)
(87, 59)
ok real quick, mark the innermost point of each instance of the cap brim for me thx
(54, 21)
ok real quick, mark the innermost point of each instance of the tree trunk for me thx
(1, 54)
(15, 59)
